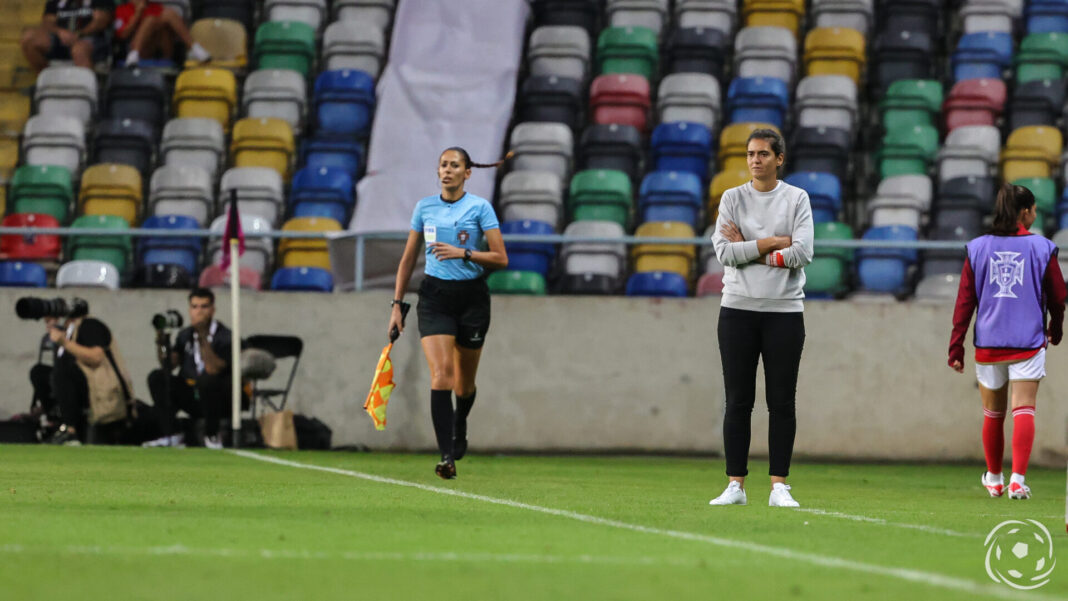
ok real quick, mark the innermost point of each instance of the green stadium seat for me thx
(911, 102)
(1042, 56)
(45, 189)
(826, 274)
(516, 282)
(601, 195)
(1045, 191)
(285, 45)
(111, 249)
(628, 50)
(908, 151)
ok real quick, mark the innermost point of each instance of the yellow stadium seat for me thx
(111, 189)
(208, 93)
(835, 51)
(1039, 141)
(677, 258)
(1014, 169)
(774, 13)
(723, 181)
(225, 39)
(733, 138)
(9, 153)
(14, 111)
(307, 252)
(3, 195)
(263, 142)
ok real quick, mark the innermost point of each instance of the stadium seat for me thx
(54, 140)
(766, 52)
(1037, 102)
(601, 195)
(114, 250)
(827, 101)
(277, 93)
(259, 251)
(763, 99)
(946, 261)
(139, 94)
(1042, 56)
(1044, 189)
(260, 192)
(535, 257)
(1047, 16)
(194, 142)
(213, 276)
(620, 99)
(963, 201)
(628, 50)
(322, 192)
(511, 281)
(561, 50)
(311, 12)
(918, 188)
(185, 190)
(835, 51)
(183, 252)
(693, 97)
(36, 247)
(285, 45)
(14, 112)
(207, 93)
(303, 279)
(987, 16)
(821, 149)
(542, 147)
(43, 189)
(19, 274)
(225, 39)
(378, 13)
(723, 181)
(828, 273)
(657, 283)
(886, 270)
(676, 258)
(237, 10)
(344, 103)
(551, 98)
(651, 14)
(905, 151)
(616, 147)
(941, 287)
(66, 90)
(163, 275)
(670, 196)
(355, 46)
(111, 189)
(984, 54)
(329, 151)
(824, 193)
(182, 7)
(698, 50)
(969, 150)
(774, 13)
(733, 141)
(901, 54)
(88, 273)
(899, 209)
(126, 141)
(910, 102)
(593, 267)
(849, 14)
(581, 13)
(306, 252)
(721, 15)
(1031, 151)
(529, 194)
(263, 142)
(974, 102)
(682, 146)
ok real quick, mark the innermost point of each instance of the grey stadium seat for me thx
(988, 15)
(848, 14)
(354, 45)
(87, 274)
(713, 14)
(259, 192)
(312, 12)
(542, 146)
(66, 90)
(597, 258)
(279, 93)
(54, 140)
(193, 141)
(766, 52)
(259, 252)
(969, 150)
(693, 97)
(827, 101)
(938, 287)
(535, 195)
(638, 13)
(561, 50)
(182, 190)
(378, 13)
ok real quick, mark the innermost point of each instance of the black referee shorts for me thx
(459, 308)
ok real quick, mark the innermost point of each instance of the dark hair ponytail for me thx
(471, 164)
(1010, 201)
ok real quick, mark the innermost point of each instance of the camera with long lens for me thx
(31, 307)
(168, 320)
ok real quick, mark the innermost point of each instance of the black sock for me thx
(442, 414)
(463, 409)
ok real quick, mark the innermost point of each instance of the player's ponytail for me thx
(1010, 201)
(471, 164)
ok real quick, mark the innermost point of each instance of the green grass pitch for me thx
(155, 524)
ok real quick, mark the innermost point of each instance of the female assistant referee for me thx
(454, 301)
(1012, 276)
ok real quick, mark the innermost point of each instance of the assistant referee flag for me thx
(233, 231)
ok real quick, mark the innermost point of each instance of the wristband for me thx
(775, 259)
(396, 301)
(467, 255)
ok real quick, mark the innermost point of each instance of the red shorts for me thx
(125, 12)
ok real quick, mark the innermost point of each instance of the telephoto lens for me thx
(169, 319)
(31, 307)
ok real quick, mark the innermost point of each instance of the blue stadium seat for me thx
(657, 283)
(310, 279)
(682, 146)
(757, 99)
(983, 54)
(1047, 16)
(886, 269)
(343, 153)
(17, 274)
(184, 252)
(1062, 211)
(344, 102)
(824, 193)
(671, 196)
(529, 256)
(322, 192)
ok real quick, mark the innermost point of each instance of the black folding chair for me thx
(280, 347)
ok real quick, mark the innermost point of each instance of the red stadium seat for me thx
(974, 102)
(30, 248)
(214, 277)
(621, 99)
(710, 284)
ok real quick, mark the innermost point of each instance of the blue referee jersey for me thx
(461, 223)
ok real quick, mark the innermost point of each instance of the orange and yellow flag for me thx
(381, 389)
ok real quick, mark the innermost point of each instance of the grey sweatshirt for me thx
(748, 283)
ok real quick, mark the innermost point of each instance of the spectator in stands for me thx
(1013, 277)
(149, 28)
(763, 238)
(75, 30)
(454, 302)
(202, 387)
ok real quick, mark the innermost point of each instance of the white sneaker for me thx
(1019, 491)
(176, 441)
(213, 442)
(994, 486)
(734, 495)
(780, 496)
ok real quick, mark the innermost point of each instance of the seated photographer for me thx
(202, 386)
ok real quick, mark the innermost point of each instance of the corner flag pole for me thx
(235, 348)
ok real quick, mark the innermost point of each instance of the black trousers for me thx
(744, 338)
(208, 398)
(71, 391)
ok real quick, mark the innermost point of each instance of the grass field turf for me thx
(127, 523)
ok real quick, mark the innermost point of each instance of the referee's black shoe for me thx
(459, 448)
(446, 468)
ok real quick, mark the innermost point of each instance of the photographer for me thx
(202, 386)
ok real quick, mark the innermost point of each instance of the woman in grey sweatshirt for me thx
(763, 238)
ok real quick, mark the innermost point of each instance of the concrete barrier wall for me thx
(602, 374)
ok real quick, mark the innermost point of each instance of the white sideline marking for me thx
(882, 522)
(917, 576)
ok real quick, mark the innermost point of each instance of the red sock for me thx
(1023, 436)
(993, 439)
